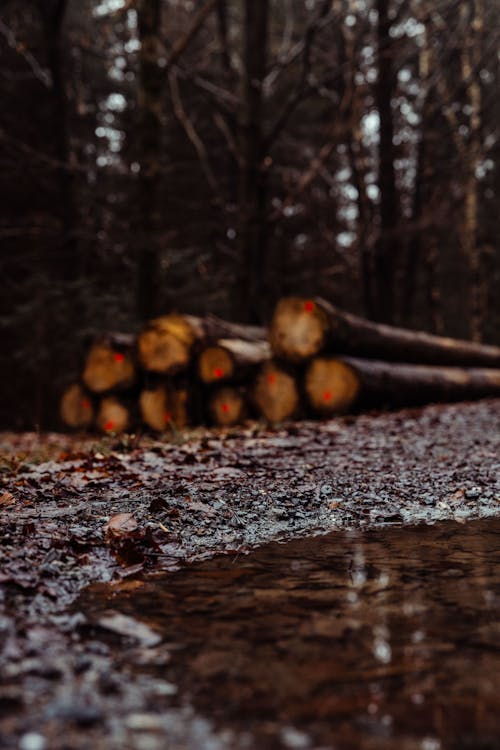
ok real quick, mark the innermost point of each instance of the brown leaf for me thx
(7, 498)
(121, 525)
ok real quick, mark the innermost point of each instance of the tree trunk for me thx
(253, 189)
(302, 328)
(150, 107)
(335, 386)
(386, 245)
(53, 17)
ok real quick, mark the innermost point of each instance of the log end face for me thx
(215, 365)
(76, 409)
(227, 407)
(276, 394)
(331, 386)
(298, 329)
(160, 350)
(106, 368)
(113, 417)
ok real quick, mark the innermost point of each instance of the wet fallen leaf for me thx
(7, 499)
(120, 525)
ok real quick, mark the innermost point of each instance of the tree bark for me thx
(386, 246)
(253, 188)
(302, 328)
(150, 107)
(335, 386)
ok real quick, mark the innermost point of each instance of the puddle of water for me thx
(378, 640)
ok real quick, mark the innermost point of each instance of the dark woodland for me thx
(214, 155)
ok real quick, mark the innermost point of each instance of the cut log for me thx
(276, 394)
(302, 328)
(336, 385)
(227, 406)
(113, 416)
(109, 364)
(166, 344)
(231, 359)
(76, 408)
(164, 407)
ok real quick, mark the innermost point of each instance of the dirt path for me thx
(188, 499)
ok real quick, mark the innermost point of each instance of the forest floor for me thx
(75, 511)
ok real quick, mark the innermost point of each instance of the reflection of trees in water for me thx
(383, 637)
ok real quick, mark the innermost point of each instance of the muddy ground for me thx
(76, 511)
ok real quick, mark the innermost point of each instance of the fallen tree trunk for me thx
(109, 364)
(76, 408)
(166, 344)
(302, 328)
(275, 393)
(164, 407)
(227, 406)
(336, 385)
(113, 416)
(231, 359)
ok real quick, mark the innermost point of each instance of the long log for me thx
(166, 344)
(231, 359)
(227, 406)
(276, 393)
(302, 328)
(164, 407)
(109, 364)
(113, 416)
(76, 408)
(336, 385)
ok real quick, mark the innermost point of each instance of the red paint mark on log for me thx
(109, 426)
(308, 306)
(271, 379)
(225, 408)
(218, 372)
(86, 403)
(327, 396)
(167, 417)
(119, 357)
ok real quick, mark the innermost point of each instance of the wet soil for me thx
(186, 499)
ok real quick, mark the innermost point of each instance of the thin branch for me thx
(197, 22)
(40, 73)
(193, 136)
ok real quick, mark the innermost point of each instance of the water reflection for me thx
(386, 639)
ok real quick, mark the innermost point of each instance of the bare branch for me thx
(196, 24)
(40, 73)
(193, 136)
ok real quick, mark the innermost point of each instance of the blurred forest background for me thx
(213, 155)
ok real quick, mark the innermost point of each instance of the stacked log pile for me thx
(313, 359)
